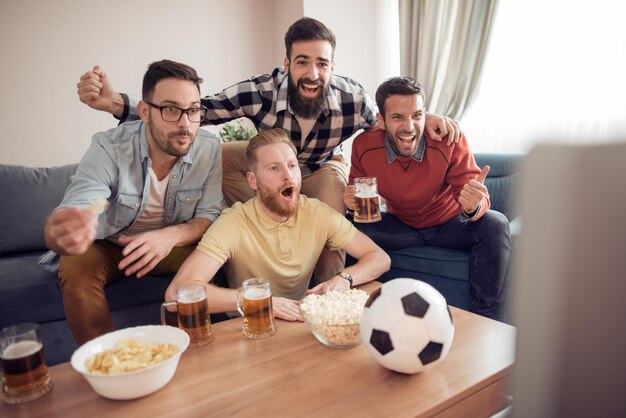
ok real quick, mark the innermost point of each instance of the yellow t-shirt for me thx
(250, 244)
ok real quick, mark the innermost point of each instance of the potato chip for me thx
(128, 355)
(98, 206)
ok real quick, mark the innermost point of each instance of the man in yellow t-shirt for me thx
(277, 235)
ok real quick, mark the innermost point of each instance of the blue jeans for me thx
(487, 240)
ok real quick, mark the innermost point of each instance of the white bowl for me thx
(135, 384)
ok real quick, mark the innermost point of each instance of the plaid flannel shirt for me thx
(263, 99)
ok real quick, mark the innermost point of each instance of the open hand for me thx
(142, 252)
(286, 309)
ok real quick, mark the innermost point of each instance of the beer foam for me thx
(21, 349)
(190, 297)
(255, 293)
(366, 193)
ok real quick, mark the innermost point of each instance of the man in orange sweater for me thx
(434, 193)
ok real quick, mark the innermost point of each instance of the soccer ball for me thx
(407, 326)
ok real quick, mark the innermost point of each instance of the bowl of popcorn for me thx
(131, 362)
(334, 317)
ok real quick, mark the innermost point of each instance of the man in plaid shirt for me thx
(317, 109)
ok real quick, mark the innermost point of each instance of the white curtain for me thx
(443, 44)
(555, 72)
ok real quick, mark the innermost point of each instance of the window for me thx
(555, 71)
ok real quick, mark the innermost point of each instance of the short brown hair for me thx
(267, 137)
(163, 69)
(397, 86)
(308, 29)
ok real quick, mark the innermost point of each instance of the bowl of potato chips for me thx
(131, 362)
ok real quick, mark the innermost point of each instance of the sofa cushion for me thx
(29, 195)
(29, 293)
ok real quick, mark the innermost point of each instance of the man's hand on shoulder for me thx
(438, 127)
(95, 90)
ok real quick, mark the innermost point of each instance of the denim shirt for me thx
(115, 168)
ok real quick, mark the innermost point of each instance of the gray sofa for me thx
(29, 293)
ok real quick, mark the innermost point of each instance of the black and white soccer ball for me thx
(407, 326)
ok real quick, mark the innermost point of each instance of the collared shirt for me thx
(115, 168)
(251, 244)
(263, 99)
(418, 155)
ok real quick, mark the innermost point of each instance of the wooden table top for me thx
(292, 374)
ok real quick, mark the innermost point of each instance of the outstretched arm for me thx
(373, 262)
(200, 267)
(70, 231)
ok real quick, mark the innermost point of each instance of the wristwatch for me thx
(346, 276)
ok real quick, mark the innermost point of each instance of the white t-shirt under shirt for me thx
(152, 216)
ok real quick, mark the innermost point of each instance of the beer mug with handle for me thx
(366, 200)
(254, 303)
(192, 315)
(24, 372)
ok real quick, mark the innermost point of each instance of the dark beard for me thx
(271, 200)
(304, 107)
(162, 140)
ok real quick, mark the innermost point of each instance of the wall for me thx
(367, 34)
(47, 45)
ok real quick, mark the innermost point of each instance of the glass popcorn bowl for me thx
(335, 336)
(334, 317)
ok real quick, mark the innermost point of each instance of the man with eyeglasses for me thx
(317, 109)
(141, 198)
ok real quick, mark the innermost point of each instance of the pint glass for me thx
(192, 315)
(24, 372)
(254, 302)
(366, 200)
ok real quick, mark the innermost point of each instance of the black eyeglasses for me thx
(171, 113)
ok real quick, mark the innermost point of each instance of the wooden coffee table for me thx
(291, 374)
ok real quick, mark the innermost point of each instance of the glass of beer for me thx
(366, 200)
(192, 315)
(24, 372)
(254, 302)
